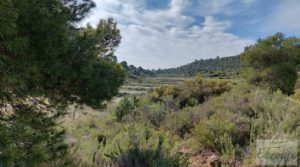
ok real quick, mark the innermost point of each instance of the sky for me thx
(169, 33)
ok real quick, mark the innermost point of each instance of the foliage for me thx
(136, 72)
(155, 155)
(124, 108)
(29, 138)
(191, 92)
(155, 106)
(56, 59)
(228, 64)
(180, 123)
(245, 115)
(201, 89)
(273, 62)
(227, 124)
(127, 143)
(45, 56)
(155, 114)
(216, 133)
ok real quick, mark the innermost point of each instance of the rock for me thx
(213, 159)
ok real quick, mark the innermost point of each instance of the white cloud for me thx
(167, 38)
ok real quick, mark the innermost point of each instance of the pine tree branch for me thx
(7, 53)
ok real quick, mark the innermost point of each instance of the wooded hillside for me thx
(228, 64)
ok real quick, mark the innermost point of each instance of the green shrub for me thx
(137, 144)
(136, 156)
(124, 108)
(198, 90)
(216, 133)
(255, 114)
(191, 92)
(170, 104)
(155, 114)
(142, 110)
(180, 123)
(157, 94)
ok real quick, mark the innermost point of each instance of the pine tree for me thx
(46, 63)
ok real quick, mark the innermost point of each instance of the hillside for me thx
(228, 64)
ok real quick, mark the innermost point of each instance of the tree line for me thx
(228, 64)
(224, 64)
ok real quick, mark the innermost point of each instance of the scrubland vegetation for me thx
(62, 104)
(172, 124)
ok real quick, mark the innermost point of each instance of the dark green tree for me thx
(136, 72)
(273, 62)
(46, 63)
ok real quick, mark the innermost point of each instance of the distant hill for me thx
(230, 64)
(225, 64)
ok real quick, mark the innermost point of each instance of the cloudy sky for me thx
(169, 33)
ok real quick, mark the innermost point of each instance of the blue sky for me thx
(169, 33)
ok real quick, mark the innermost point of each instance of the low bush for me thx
(180, 123)
(216, 133)
(124, 108)
(136, 156)
(153, 114)
(140, 145)
(191, 92)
